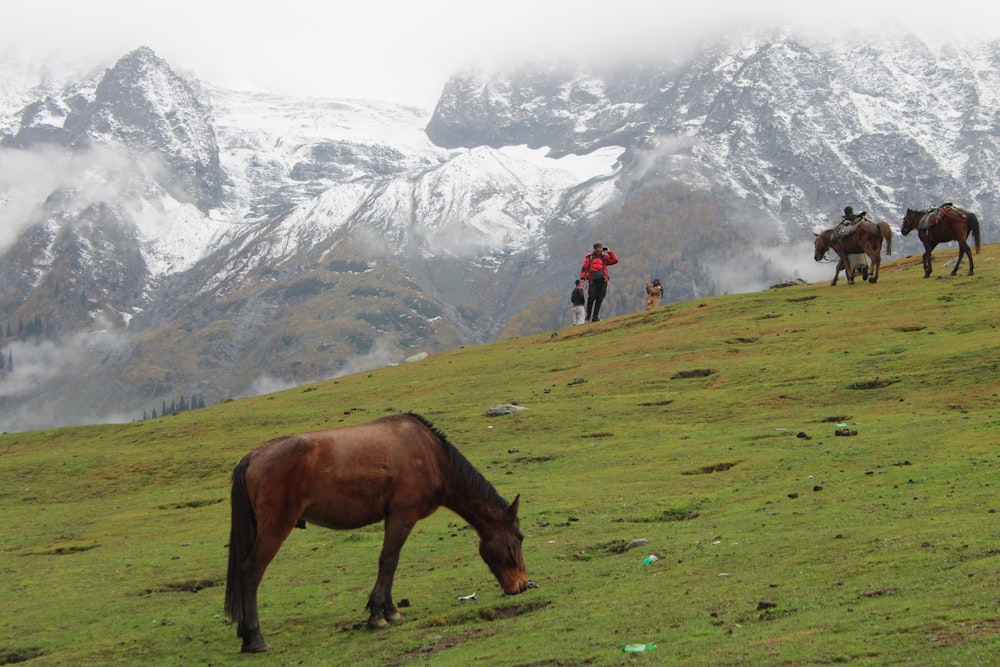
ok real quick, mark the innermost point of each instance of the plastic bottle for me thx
(638, 648)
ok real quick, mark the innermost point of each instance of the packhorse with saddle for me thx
(856, 234)
(943, 224)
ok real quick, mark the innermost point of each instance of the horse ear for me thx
(816, 234)
(512, 510)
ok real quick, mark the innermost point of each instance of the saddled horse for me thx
(397, 469)
(943, 224)
(865, 237)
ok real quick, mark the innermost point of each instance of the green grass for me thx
(706, 428)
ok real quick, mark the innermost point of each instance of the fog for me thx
(405, 51)
(29, 178)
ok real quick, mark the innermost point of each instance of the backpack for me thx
(597, 275)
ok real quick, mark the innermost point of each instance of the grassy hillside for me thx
(706, 428)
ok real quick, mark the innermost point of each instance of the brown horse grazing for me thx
(866, 237)
(943, 224)
(397, 469)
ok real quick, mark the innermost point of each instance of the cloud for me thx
(404, 51)
(48, 363)
(29, 177)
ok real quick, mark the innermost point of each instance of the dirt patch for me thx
(511, 610)
(743, 339)
(694, 373)
(655, 404)
(963, 632)
(800, 299)
(873, 384)
(434, 649)
(62, 550)
(879, 592)
(909, 329)
(672, 514)
(190, 586)
(191, 504)
(535, 459)
(19, 655)
(836, 419)
(708, 470)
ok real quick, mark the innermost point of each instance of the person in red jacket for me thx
(595, 272)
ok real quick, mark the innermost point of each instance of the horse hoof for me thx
(378, 623)
(395, 617)
(259, 646)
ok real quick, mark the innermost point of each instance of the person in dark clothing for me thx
(578, 299)
(595, 272)
(849, 217)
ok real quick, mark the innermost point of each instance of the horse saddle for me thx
(935, 213)
(843, 230)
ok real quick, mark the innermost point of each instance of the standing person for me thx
(654, 291)
(578, 298)
(595, 272)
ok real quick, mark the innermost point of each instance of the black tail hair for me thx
(242, 537)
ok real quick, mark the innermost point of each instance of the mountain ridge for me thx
(217, 241)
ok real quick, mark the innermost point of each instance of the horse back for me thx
(350, 476)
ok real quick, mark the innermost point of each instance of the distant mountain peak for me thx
(229, 240)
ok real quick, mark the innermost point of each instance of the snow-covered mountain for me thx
(162, 237)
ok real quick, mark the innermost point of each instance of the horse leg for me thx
(265, 549)
(840, 265)
(845, 260)
(380, 605)
(927, 263)
(963, 247)
(874, 253)
(876, 264)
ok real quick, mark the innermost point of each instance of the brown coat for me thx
(653, 294)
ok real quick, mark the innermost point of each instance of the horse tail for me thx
(974, 227)
(886, 230)
(242, 538)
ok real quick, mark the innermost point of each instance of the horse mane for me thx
(463, 468)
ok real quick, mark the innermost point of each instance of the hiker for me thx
(595, 272)
(578, 298)
(654, 291)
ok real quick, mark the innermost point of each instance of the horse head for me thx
(500, 549)
(910, 221)
(821, 246)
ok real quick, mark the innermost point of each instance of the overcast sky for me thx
(404, 50)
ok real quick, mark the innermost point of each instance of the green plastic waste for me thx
(638, 648)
